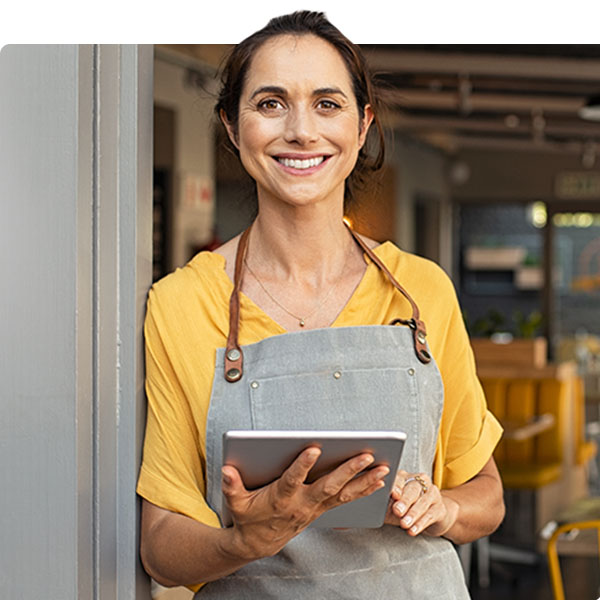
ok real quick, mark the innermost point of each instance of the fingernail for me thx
(413, 529)
(381, 474)
(400, 508)
(313, 453)
(397, 490)
(366, 462)
(226, 478)
(407, 521)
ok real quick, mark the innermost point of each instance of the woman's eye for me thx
(270, 104)
(328, 104)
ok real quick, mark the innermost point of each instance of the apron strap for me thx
(234, 358)
(415, 323)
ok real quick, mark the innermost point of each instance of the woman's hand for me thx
(264, 520)
(418, 506)
(462, 514)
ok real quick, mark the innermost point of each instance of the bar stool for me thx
(584, 514)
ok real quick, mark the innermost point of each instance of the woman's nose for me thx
(300, 126)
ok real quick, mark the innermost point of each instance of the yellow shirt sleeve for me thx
(468, 431)
(172, 473)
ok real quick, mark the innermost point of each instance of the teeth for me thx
(296, 163)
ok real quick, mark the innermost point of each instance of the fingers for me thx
(342, 485)
(295, 475)
(232, 485)
(416, 504)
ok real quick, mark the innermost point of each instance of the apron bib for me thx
(348, 378)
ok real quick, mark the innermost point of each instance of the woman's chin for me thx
(302, 196)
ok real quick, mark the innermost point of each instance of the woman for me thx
(281, 328)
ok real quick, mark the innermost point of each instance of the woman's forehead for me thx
(292, 61)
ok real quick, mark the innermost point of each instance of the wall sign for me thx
(577, 185)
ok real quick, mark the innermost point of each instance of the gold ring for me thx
(420, 481)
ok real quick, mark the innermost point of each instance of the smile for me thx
(296, 163)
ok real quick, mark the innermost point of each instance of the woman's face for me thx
(299, 129)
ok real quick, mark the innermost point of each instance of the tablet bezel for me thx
(262, 456)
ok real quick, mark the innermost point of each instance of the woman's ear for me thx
(365, 123)
(231, 132)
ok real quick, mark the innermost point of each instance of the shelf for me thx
(490, 259)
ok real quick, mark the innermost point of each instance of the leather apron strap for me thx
(234, 357)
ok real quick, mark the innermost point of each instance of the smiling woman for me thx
(312, 25)
(299, 137)
(301, 323)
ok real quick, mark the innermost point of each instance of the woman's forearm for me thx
(478, 505)
(177, 550)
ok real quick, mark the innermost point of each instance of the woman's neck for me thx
(306, 244)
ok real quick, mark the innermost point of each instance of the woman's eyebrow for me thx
(275, 89)
(269, 89)
(329, 90)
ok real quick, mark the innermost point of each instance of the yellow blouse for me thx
(187, 320)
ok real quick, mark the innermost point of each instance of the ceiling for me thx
(488, 97)
(512, 97)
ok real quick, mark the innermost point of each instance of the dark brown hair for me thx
(304, 23)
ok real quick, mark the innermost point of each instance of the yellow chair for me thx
(584, 514)
(530, 457)
(585, 450)
(533, 414)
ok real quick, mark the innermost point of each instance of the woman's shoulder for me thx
(203, 273)
(409, 266)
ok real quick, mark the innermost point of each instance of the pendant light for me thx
(590, 111)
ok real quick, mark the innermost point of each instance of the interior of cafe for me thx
(492, 171)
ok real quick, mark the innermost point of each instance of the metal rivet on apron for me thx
(421, 337)
(254, 385)
(233, 374)
(233, 354)
(337, 374)
(411, 371)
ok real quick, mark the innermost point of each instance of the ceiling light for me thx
(588, 156)
(511, 121)
(464, 95)
(591, 110)
(538, 125)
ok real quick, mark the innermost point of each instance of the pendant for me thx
(301, 323)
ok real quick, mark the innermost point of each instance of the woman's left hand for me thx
(418, 506)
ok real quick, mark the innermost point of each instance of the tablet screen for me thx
(262, 456)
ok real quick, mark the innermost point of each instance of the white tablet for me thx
(262, 456)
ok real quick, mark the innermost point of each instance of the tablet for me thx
(262, 456)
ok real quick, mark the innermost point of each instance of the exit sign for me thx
(584, 185)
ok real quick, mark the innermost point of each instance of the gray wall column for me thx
(75, 266)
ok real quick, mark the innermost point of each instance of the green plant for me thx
(527, 326)
(492, 323)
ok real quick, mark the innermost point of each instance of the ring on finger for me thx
(420, 481)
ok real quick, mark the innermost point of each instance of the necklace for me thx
(301, 320)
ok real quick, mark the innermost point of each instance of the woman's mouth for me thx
(300, 164)
(297, 163)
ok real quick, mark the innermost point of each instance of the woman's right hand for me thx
(264, 520)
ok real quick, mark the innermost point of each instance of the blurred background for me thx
(492, 171)
(113, 173)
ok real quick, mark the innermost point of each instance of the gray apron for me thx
(363, 378)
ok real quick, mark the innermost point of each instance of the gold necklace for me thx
(301, 320)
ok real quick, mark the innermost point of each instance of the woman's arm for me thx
(461, 514)
(177, 550)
